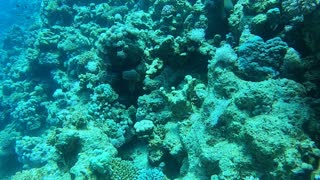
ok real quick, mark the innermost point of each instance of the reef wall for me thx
(162, 89)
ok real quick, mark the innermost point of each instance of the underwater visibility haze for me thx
(160, 89)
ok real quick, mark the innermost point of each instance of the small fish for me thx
(131, 75)
(24, 6)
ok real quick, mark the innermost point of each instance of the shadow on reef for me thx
(217, 13)
(9, 163)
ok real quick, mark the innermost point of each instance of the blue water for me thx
(18, 12)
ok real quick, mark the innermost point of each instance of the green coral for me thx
(122, 170)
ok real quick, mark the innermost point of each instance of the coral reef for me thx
(162, 89)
